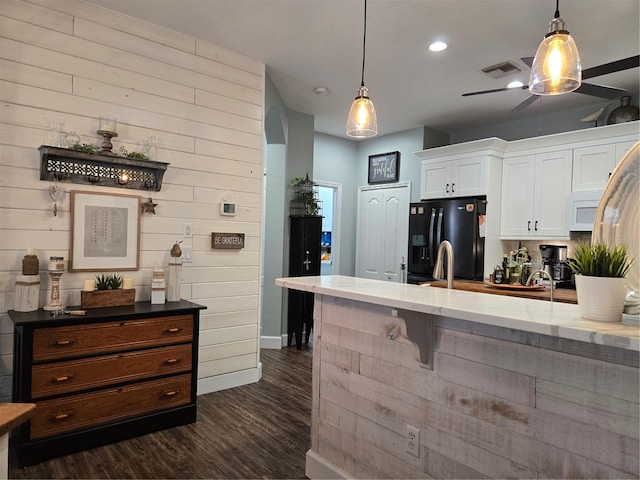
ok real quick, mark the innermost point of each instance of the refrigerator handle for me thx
(432, 224)
(440, 216)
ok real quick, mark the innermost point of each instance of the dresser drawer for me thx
(95, 338)
(75, 412)
(74, 375)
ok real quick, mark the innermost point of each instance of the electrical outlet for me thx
(413, 441)
(186, 230)
(186, 254)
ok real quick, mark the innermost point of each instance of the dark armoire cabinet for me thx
(304, 260)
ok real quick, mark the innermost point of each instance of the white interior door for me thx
(382, 233)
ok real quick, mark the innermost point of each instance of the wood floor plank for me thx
(261, 430)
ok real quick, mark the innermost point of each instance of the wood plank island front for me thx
(496, 387)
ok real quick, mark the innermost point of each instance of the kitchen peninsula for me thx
(417, 382)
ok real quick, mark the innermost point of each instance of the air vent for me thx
(501, 70)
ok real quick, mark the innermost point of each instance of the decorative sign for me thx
(228, 241)
(384, 167)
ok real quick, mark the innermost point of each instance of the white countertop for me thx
(536, 316)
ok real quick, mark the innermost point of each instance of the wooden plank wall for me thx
(495, 405)
(70, 62)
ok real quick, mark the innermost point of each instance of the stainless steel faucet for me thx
(542, 272)
(438, 274)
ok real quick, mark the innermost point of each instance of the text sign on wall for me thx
(229, 241)
(384, 168)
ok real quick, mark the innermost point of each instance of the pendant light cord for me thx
(557, 14)
(364, 40)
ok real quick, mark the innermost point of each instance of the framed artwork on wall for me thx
(105, 232)
(384, 167)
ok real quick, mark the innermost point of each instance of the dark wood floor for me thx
(260, 430)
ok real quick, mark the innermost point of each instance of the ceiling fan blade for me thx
(528, 61)
(602, 91)
(482, 92)
(528, 101)
(612, 67)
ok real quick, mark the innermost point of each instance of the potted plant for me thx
(108, 293)
(599, 273)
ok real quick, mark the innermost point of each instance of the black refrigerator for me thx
(458, 220)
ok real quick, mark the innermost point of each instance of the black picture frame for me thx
(384, 168)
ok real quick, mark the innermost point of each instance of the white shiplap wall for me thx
(70, 62)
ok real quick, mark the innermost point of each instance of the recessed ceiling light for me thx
(321, 90)
(515, 84)
(437, 46)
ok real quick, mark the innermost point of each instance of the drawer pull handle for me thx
(62, 416)
(170, 393)
(63, 343)
(63, 378)
(173, 330)
(172, 360)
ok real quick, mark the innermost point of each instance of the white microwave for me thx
(582, 210)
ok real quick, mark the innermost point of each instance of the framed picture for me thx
(105, 232)
(384, 167)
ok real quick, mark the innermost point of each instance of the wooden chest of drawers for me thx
(114, 374)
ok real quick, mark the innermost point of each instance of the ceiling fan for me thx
(586, 88)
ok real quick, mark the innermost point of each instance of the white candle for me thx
(108, 124)
(89, 285)
(127, 283)
(56, 263)
(31, 251)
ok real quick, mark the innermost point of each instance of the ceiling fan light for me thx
(362, 121)
(556, 67)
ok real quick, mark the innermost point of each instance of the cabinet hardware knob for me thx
(173, 360)
(529, 226)
(447, 188)
(535, 226)
(62, 416)
(173, 330)
(62, 378)
(453, 187)
(63, 343)
(170, 393)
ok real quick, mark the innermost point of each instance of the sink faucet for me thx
(438, 274)
(542, 272)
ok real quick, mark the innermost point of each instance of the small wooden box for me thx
(107, 298)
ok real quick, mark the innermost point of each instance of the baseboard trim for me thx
(229, 380)
(273, 343)
(318, 467)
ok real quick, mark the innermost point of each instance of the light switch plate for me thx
(187, 251)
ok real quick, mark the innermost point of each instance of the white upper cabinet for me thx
(592, 167)
(535, 188)
(453, 178)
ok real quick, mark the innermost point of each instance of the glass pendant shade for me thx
(362, 121)
(556, 67)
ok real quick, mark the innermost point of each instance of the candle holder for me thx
(54, 305)
(106, 142)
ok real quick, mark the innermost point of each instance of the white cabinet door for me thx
(436, 179)
(383, 232)
(535, 189)
(516, 215)
(468, 177)
(453, 178)
(551, 190)
(592, 167)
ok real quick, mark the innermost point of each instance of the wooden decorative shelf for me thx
(71, 166)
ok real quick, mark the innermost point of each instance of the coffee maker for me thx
(554, 262)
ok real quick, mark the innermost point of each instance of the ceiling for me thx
(312, 43)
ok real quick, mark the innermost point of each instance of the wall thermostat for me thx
(228, 209)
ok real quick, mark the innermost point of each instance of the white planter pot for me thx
(600, 298)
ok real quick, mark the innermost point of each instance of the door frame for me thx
(337, 219)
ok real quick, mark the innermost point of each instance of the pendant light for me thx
(362, 121)
(556, 67)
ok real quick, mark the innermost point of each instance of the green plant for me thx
(138, 155)
(85, 148)
(600, 260)
(108, 282)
